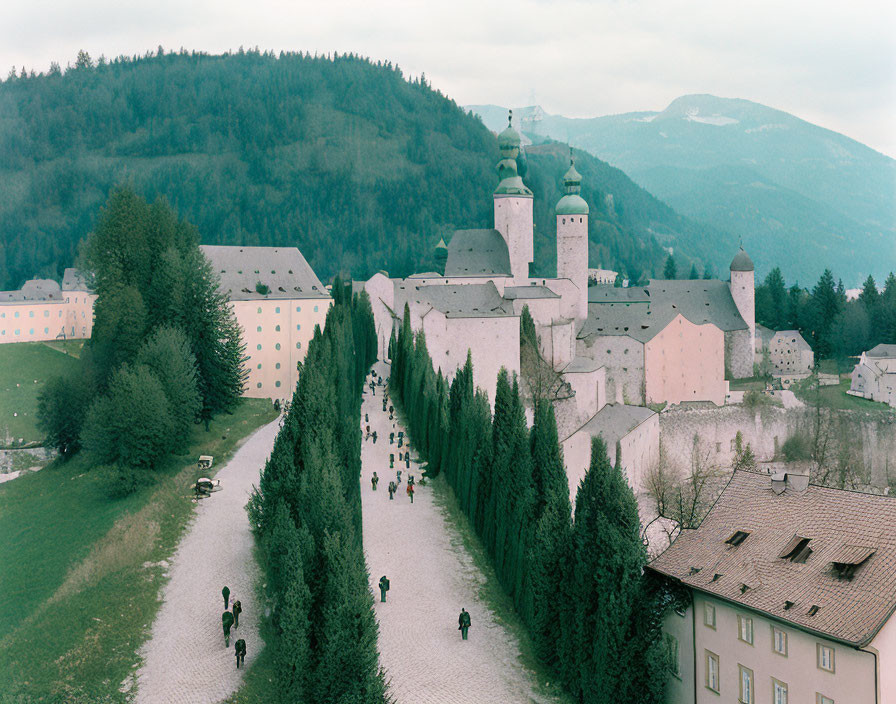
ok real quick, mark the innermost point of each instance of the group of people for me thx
(231, 619)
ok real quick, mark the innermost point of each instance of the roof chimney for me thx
(796, 482)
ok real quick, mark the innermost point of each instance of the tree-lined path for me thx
(185, 661)
(432, 577)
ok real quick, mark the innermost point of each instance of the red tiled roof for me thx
(843, 527)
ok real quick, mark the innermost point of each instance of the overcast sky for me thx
(832, 63)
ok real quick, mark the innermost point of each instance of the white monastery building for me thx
(788, 597)
(277, 299)
(668, 342)
(874, 377)
(43, 310)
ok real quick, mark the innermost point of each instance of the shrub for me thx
(61, 407)
(796, 447)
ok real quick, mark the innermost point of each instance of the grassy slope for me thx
(86, 580)
(835, 397)
(23, 363)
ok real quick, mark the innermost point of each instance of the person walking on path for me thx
(240, 652)
(384, 587)
(225, 592)
(407, 460)
(398, 474)
(374, 480)
(227, 623)
(391, 490)
(463, 623)
(391, 438)
(237, 610)
(374, 437)
(410, 491)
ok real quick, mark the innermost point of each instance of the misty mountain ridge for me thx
(801, 197)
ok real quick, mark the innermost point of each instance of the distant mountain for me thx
(802, 197)
(345, 159)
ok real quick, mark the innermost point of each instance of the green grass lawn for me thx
(24, 368)
(836, 397)
(751, 383)
(80, 577)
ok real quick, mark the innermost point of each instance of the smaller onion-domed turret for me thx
(440, 254)
(511, 183)
(572, 203)
(741, 262)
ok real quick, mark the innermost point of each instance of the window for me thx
(31, 331)
(671, 644)
(745, 629)
(258, 329)
(298, 309)
(779, 641)
(258, 346)
(259, 310)
(797, 550)
(46, 314)
(277, 329)
(825, 656)
(277, 309)
(277, 366)
(712, 671)
(16, 314)
(277, 384)
(298, 327)
(779, 692)
(315, 309)
(709, 615)
(46, 331)
(259, 365)
(277, 346)
(821, 699)
(738, 537)
(258, 385)
(298, 345)
(746, 685)
(30, 313)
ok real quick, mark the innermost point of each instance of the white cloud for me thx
(833, 63)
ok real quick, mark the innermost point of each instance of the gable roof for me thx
(840, 525)
(882, 350)
(614, 421)
(477, 253)
(639, 322)
(465, 300)
(700, 301)
(33, 290)
(74, 280)
(792, 336)
(532, 291)
(282, 269)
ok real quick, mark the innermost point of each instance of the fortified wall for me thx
(869, 438)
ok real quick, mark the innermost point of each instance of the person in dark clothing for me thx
(410, 480)
(374, 480)
(225, 592)
(400, 441)
(240, 649)
(374, 437)
(410, 491)
(237, 610)
(391, 438)
(384, 587)
(463, 623)
(391, 490)
(391, 461)
(227, 623)
(391, 409)
(407, 460)
(398, 475)
(366, 419)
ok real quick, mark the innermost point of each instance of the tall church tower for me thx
(743, 291)
(572, 239)
(513, 207)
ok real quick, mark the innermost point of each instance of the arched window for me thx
(277, 384)
(258, 329)
(277, 346)
(277, 329)
(258, 347)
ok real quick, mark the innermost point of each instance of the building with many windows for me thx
(278, 300)
(790, 592)
(874, 377)
(43, 310)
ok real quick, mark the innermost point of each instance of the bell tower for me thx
(513, 206)
(572, 239)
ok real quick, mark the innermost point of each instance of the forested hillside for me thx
(359, 167)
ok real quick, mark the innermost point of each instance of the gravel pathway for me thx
(431, 577)
(185, 660)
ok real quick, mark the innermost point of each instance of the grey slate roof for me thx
(607, 293)
(793, 337)
(514, 292)
(614, 421)
(465, 300)
(882, 350)
(699, 301)
(477, 253)
(282, 269)
(837, 523)
(74, 280)
(640, 322)
(33, 290)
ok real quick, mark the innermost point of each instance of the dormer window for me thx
(797, 550)
(848, 559)
(737, 538)
(812, 610)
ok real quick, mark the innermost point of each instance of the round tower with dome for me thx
(572, 238)
(513, 206)
(743, 291)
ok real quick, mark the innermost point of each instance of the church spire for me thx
(572, 203)
(510, 181)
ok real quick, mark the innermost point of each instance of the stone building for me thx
(43, 310)
(874, 377)
(278, 300)
(790, 355)
(789, 597)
